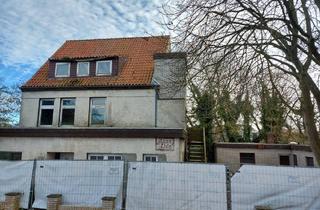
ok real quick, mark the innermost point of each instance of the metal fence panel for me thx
(15, 176)
(284, 188)
(176, 186)
(81, 183)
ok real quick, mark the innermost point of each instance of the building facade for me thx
(110, 99)
(236, 154)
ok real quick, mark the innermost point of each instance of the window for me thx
(10, 155)
(67, 111)
(103, 68)
(150, 158)
(98, 109)
(83, 68)
(46, 112)
(62, 69)
(309, 161)
(104, 157)
(60, 155)
(284, 160)
(247, 158)
(295, 160)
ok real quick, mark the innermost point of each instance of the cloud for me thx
(31, 30)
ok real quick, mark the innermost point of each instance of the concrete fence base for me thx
(12, 201)
(54, 202)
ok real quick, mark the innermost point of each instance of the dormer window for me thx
(83, 69)
(62, 69)
(103, 68)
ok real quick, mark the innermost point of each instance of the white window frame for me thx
(67, 107)
(151, 156)
(105, 156)
(41, 107)
(88, 70)
(62, 75)
(105, 61)
(105, 111)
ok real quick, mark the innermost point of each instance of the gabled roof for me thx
(135, 62)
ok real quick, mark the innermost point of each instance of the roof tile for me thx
(136, 71)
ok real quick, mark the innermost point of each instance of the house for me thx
(103, 99)
(236, 154)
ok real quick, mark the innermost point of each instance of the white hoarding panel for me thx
(176, 186)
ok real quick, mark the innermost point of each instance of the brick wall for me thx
(54, 202)
(2, 205)
(67, 207)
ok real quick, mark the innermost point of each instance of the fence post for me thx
(108, 203)
(12, 201)
(54, 201)
(228, 187)
(31, 195)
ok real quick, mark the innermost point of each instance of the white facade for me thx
(40, 148)
(130, 107)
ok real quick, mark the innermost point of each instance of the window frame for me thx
(105, 156)
(88, 70)
(60, 63)
(90, 111)
(104, 61)
(61, 111)
(41, 107)
(151, 156)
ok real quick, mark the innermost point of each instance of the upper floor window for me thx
(83, 68)
(103, 68)
(46, 111)
(67, 111)
(62, 69)
(97, 111)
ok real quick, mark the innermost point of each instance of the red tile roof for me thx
(137, 70)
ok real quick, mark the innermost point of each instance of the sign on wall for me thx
(164, 144)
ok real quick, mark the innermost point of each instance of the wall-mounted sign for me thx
(164, 144)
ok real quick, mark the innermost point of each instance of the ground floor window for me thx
(10, 155)
(150, 158)
(247, 158)
(60, 155)
(105, 156)
(284, 160)
(309, 161)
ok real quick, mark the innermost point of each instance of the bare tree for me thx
(264, 37)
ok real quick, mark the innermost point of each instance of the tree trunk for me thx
(308, 115)
(314, 90)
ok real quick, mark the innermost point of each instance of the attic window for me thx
(83, 69)
(62, 69)
(103, 68)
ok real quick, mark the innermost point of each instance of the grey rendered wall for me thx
(231, 156)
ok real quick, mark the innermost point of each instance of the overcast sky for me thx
(31, 30)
